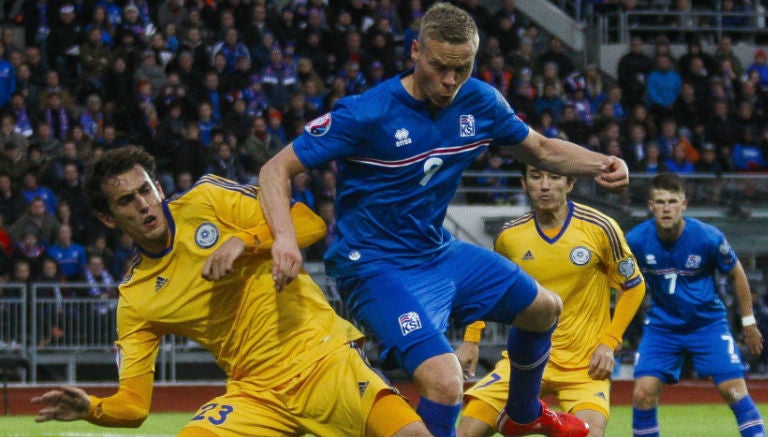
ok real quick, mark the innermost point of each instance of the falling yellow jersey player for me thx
(581, 254)
(204, 271)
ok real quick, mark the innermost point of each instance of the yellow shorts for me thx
(574, 390)
(332, 398)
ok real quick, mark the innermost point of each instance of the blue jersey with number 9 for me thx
(399, 167)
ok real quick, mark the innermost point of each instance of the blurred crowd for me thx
(221, 86)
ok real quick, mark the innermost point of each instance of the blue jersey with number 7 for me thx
(680, 275)
(399, 167)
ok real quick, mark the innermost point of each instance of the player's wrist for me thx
(748, 321)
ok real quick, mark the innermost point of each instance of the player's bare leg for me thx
(596, 421)
(736, 395)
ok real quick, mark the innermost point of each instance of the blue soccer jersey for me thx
(681, 275)
(399, 167)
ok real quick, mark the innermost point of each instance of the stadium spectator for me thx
(8, 133)
(22, 116)
(550, 100)
(582, 352)
(57, 115)
(36, 220)
(662, 87)
(760, 66)
(320, 336)
(32, 189)
(12, 204)
(678, 161)
(633, 70)
(125, 250)
(95, 59)
(28, 250)
(556, 53)
(721, 126)
(63, 45)
(747, 154)
(663, 247)
(301, 191)
(725, 51)
(497, 74)
(13, 162)
(50, 309)
(427, 355)
(225, 164)
(7, 78)
(69, 255)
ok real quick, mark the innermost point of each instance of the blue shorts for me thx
(408, 309)
(712, 348)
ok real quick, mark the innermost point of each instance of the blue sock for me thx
(440, 419)
(645, 423)
(748, 417)
(528, 355)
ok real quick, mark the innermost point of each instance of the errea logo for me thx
(402, 137)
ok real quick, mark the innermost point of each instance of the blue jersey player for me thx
(679, 257)
(400, 149)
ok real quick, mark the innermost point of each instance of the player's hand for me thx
(754, 339)
(615, 174)
(65, 403)
(468, 353)
(286, 262)
(602, 362)
(220, 263)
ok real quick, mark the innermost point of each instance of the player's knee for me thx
(440, 379)
(643, 398)
(542, 313)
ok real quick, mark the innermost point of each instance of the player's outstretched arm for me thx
(275, 183)
(128, 408)
(570, 159)
(65, 403)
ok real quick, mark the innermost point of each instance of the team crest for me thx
(693, 262)
(409, 322)
(580, 255)
(319, 126)
(627, 267)
(206, 235)
(467, 125)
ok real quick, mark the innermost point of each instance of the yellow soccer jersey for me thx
(253, 331)
(587, 258)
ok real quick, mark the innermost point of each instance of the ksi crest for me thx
(467, 125)
(409, 322)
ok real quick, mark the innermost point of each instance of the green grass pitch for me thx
(675, 421)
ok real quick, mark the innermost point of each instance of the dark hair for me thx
(668, 182)
(113, 163)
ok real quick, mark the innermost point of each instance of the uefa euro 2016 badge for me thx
(206, 235)
(580, 255)
(319, 126)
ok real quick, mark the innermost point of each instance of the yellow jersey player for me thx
(204, 271)
(581, 254)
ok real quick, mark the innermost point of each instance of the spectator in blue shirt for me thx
(31, 189)
(663, 86)
(69, 255)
